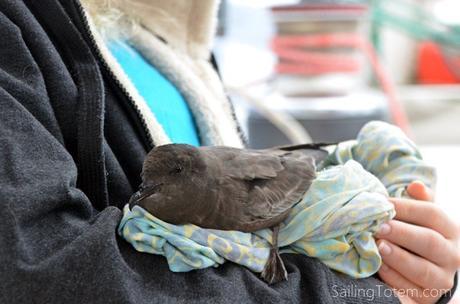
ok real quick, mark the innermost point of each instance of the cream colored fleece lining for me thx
(187, 26)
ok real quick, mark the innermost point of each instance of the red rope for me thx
(295, 59)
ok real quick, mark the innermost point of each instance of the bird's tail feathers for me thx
(314, 150)
(310, 146)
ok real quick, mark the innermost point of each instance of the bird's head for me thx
(171, 174)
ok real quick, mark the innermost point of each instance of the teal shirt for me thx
(164, 100)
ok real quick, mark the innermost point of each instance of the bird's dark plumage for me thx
(227, 188)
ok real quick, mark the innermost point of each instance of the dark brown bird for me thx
(228, 189)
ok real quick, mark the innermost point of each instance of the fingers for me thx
(413, 268)
(407, 291)
(426, 215)
(420, 247)
(422, 241)
(419, 191)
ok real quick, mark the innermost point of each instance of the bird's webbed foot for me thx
(274, 270)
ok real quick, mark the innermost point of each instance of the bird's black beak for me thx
(134, 199)
(143, 193)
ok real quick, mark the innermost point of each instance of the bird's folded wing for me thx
(275, 179)
(248, 164)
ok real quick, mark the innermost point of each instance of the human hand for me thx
(420, 248)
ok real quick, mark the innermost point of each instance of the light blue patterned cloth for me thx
(334, 222)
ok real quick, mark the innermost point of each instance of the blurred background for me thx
(300, 71)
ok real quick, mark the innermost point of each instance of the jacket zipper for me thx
(111, 74)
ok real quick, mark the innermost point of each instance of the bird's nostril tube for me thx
(134, 198)
(143, 193)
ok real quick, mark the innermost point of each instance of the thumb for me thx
(417, 190)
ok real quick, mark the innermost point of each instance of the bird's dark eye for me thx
(176, 170)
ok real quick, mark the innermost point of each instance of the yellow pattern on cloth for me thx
(334, 222)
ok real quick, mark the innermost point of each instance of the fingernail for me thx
(384, 229)
(384, 249)
(384, 267)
